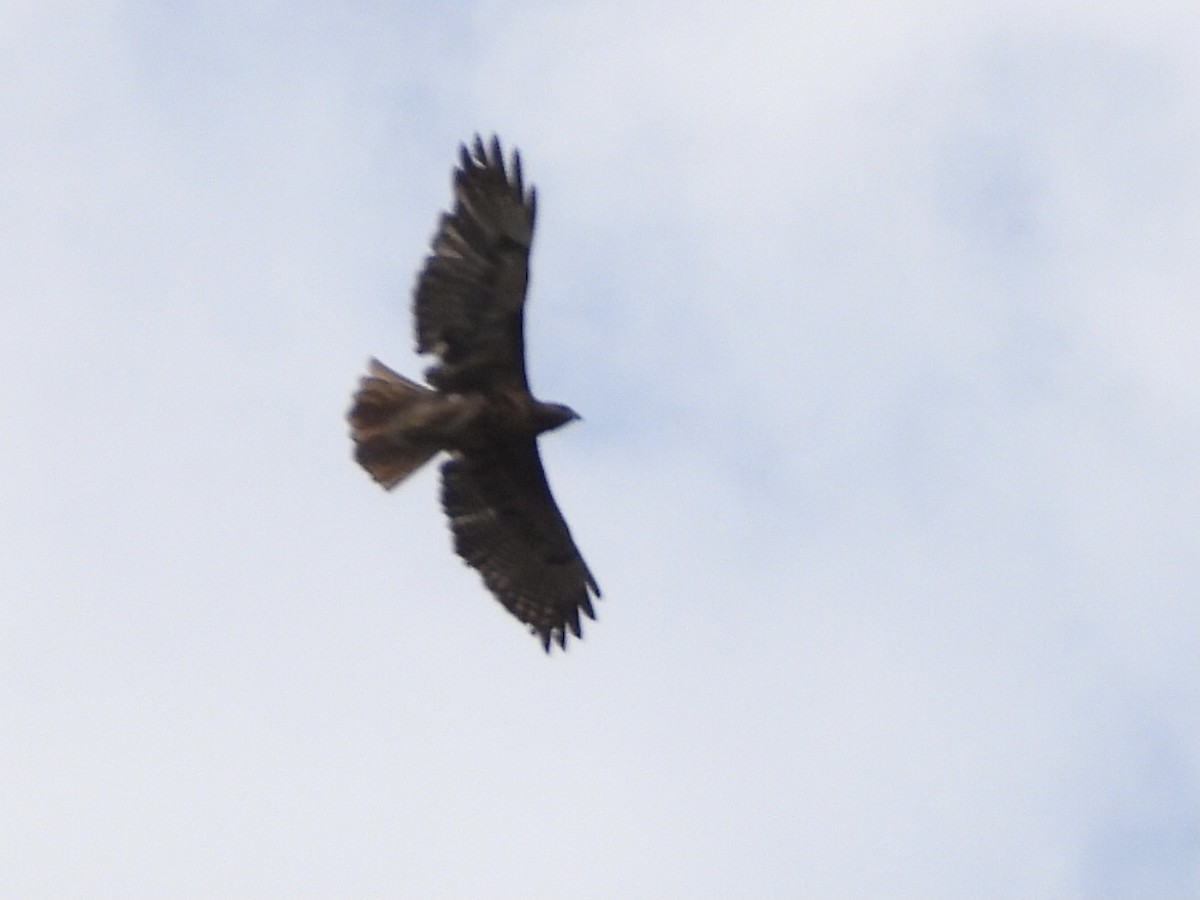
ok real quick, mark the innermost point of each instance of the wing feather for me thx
(470, 296)
(507, 526)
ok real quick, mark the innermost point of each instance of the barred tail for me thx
(377, 425)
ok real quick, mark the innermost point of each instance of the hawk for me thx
(469, 307)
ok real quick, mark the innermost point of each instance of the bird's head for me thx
(554, 415)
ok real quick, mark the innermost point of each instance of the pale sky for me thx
(884, 322)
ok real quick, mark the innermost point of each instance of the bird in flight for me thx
(469, 308)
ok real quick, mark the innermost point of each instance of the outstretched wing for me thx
(507, 525)
(470, 297)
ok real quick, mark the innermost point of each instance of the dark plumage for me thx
(469, 307)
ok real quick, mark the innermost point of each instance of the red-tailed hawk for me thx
(469, 307)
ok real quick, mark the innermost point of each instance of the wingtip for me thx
(558, 634)
(481, 153)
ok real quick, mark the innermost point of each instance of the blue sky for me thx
(883, 324)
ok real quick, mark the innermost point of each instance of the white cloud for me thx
(880, 322)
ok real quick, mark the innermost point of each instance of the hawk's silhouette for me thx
(469, 309)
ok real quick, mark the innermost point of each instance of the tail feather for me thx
(377, 419)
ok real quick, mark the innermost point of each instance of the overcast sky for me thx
(884, 322)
